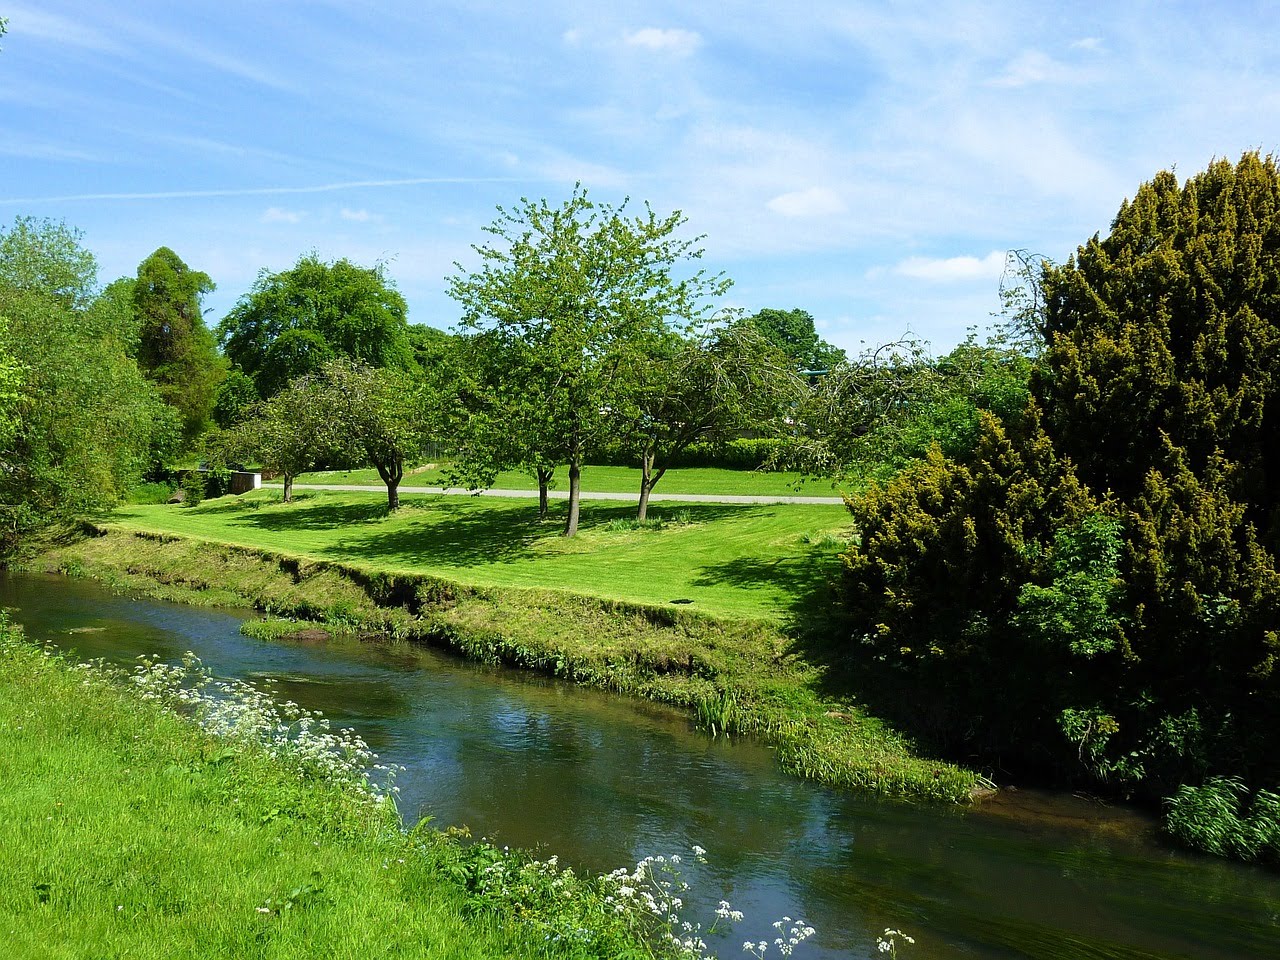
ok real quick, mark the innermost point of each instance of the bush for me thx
(1093, 589)
(1221, 818)
(192, 487)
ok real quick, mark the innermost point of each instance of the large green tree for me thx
(794, 333)
(175, 348)
(574, 299)
(1096, 582)
(88, 422)
(294, 322)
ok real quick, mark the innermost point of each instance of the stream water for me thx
(602, 781)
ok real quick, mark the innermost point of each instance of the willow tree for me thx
(576, 298)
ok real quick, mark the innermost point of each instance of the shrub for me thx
(192, 487)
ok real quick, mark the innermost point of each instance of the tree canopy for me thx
(794, 333)
(294, 322)
(573, 300)
(88, 423)
(175, 348)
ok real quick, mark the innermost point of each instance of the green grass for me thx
(730, 561)
(741, 675)
(602, 479)
(126, 832)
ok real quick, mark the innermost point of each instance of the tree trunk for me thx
(648, 480)
(544, 486)
(646, 470)
(391, 475)
(288, 488)
(575, 478)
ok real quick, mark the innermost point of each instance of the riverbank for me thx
(130, 831)
(736, 676)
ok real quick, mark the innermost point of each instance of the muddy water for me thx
(602, 781)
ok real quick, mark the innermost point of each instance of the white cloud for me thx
(813, 202)
(952, 269)
(1032, 67)
(357, 216)
(572, 37)
(280, 215)
(1089, 44)
(673, 40)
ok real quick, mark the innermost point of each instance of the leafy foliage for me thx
(707, 389)
(793, 334)
(294, 322)
(1106, 559)
(572, 302)
(385, 413)
(175, 349)
(88, 424)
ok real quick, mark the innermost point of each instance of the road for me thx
(564, 494)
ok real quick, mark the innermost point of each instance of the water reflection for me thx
(602, 781)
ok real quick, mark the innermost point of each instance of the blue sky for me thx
(868, 162)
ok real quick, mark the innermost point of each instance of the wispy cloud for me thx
(280, 215)
(953, 269)
(682, 43)
(261, 191)
(1034, 67)
(28, 23)
(358, 216)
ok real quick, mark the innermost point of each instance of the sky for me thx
(867, 162)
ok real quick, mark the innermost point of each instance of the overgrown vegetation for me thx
(1092, 591)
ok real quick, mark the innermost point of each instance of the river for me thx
(602, 781)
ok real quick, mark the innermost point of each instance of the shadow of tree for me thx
(807, 579)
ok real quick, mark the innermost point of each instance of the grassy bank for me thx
(127, 831)
(738, 675)
(732, 561)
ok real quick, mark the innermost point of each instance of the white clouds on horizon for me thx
(952, 269)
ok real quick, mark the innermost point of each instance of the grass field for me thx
(600, 479)
(732, 561)
(127, 832)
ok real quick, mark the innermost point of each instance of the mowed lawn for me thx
(599, 479)
(760, 562)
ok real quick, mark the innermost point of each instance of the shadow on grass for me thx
(807, 581)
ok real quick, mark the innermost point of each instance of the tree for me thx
(793, 332)
(575, 298)
(88, 423)
(294, 322)
(289, 433)
(175, 349)
(1095, 584)
(385, 413)
(44, 257)
(235, 399)
(708, 388)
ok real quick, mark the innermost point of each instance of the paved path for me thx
(564, 494)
